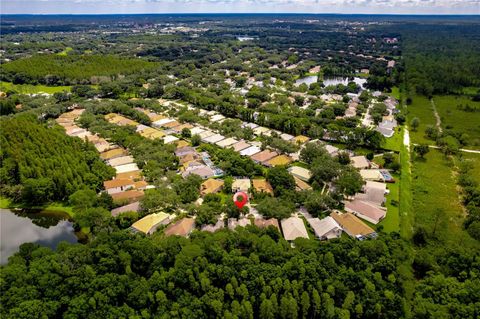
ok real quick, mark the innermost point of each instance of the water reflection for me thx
(44, 228)
(327, 81)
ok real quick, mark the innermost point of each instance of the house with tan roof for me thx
(264, 223)
(127, 196)
(181, 143)
(118, 185)
(294, 228)
(301, 173)
(278, 161)
(263, 156)
(261, 185)
(226, 142)
(150, 223)
(241, 145)
(183, 228)
(353, 226)
(360, 162)
(241, 185)
(301, 185)
(117, 152)
(301, 139)
(120, 160)
(135, 175)
(211, 186)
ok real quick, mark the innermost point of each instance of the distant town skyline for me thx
(240, 6)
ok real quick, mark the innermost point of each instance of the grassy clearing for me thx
(32, 89)
(421, 108)
(436, 201)
(6, 203)
(65, 52)
(457, 120)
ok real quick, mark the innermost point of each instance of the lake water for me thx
(327, 81)
(46, 228)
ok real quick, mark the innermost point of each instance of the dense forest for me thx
(244, 274)
(441, 59)
(41, 164)
(71, 69)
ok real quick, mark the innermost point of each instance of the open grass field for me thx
(422, 109)
(460, 121)
(32, 89)
(395, 92)
(436, 201)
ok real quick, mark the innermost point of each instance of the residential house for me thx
(365, 210)
(226, 142)
(264, 223)
(128, 196)
(134, 175)
(211, 186)
(150, 223)
(202, 171)
(214, 138)
(120, 161)
(132, 167)
(168, 139)
(301, 139)
(294, 228)
(241, 145)
(250, 151)
(360, 162)
(133, 207)
(241, 185)
(117, 152)
(182, 228)
(301, 185)
(197, 130)
(326, 228)
(353, 226)
(262, 186)
(263, 156)
(118, 185)
(301, 173)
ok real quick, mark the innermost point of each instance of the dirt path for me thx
(437, 117)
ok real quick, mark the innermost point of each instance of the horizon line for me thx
(240, 13)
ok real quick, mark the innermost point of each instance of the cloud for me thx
(233, 6)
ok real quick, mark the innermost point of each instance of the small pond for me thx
(47, 228)
(327, 81)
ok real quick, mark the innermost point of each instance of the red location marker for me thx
(240, 199)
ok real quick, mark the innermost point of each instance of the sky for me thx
(240, 6)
